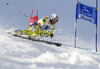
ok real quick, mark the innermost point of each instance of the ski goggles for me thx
(56, 19)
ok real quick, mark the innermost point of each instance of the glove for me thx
(52, 35)
(46, 27)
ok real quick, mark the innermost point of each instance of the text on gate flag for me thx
(86, 12)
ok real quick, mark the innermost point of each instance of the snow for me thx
(18, 53)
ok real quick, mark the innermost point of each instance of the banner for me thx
(86, 12)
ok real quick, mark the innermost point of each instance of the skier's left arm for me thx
(53, 31)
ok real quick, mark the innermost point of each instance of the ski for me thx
(37, 40)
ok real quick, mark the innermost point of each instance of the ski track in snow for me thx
(18, 53)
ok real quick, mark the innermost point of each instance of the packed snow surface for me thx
(18, 53)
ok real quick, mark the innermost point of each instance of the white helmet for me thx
(54, 17)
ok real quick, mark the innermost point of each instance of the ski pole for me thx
(19, 11)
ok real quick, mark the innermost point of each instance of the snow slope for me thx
(17, 53)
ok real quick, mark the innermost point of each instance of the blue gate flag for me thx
(86, 12)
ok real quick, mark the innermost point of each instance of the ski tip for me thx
(9, 32)
(59, 44)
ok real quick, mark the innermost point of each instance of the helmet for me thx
(54, 17)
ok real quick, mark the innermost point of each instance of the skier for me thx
(44, 27)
